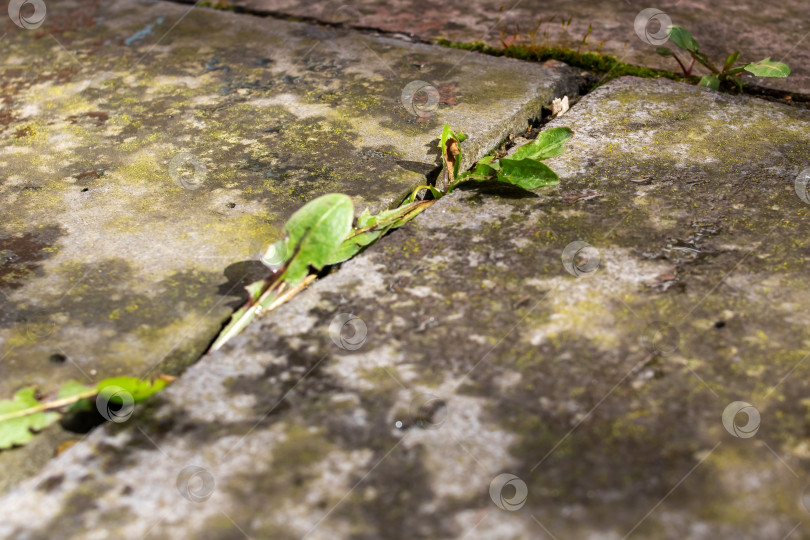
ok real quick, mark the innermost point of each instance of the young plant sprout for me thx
(729, 73)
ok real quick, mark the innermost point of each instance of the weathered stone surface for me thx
(481, 356)
(114, 260)
(778, 30)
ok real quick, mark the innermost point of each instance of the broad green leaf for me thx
(18, 430)
(732, 58)
(526, 173)
(314, 232)
(139, 389)
(682, 37)
(664, 51)
(710, 81)
(548, 144)
(768, 68)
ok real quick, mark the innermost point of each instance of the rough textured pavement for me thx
(780, 30)
(471, 352)
(150, 153)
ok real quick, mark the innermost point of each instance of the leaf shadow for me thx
(497, 189)
(239, 275)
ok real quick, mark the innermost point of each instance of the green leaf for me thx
(682, 37)
(732, 58)
(710, 81)
(768, 68)
(664, 51)
(548, 144)
(16, 429)
(137, 388)
(314, 232)
(526, 173)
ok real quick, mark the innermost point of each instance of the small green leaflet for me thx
(732, 58)
(139, 389)
(768, 68)
(710, 81)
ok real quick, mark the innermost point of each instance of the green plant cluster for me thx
(728, 73)
(28, 413)
(324, 232)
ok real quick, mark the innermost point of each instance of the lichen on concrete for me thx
(482, 355)
(115, 258)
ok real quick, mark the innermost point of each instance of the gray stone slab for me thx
(150, 152)
(778, 30)
(388, 399)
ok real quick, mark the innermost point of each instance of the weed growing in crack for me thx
(324, 232)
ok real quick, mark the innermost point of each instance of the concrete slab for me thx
(389, 400)
(150, 152)
(721, 27)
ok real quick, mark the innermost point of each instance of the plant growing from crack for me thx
(324, 232)
(729, 73)
(29, 412)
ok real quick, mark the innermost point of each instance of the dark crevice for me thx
(796, 99)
